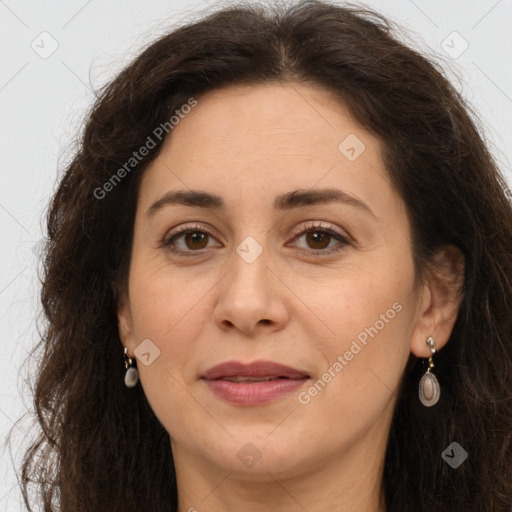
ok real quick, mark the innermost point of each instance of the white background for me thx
(43, 100)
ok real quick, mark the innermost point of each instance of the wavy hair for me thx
(101, 447)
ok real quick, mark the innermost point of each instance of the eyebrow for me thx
(288, 201)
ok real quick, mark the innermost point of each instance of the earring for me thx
(429, 389)
(131, 377)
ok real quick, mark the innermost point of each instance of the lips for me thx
(257, 370)
(254, 384)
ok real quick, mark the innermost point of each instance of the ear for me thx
(125, 323)
(440, 301)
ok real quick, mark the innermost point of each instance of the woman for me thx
(278, 278)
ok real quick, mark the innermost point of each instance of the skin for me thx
(249, 144)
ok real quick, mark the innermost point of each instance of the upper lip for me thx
(253, 369)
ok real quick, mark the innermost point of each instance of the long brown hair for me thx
(101, 447)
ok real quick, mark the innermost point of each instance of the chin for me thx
(260, 457)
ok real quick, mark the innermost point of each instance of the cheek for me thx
(165, 298)
(362, 364)
(169, 310)
(366, 317)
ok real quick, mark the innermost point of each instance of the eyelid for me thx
(311, 225)
(184, 228)
(343, 238)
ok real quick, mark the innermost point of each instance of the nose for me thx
(251, 297)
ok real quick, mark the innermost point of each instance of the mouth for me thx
(257, 383)
(257, 371)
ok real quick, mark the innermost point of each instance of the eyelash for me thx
(166, 243)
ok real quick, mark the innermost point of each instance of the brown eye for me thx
(192, 240)
(318, 239)
(195, 239)
(187, 240)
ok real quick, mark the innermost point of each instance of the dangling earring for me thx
(131, 377)
(429, 389)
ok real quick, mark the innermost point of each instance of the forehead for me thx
(250, 140)
(273, 112)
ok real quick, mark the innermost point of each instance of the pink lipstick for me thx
(256, 383)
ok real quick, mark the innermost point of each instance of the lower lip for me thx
(254, 393)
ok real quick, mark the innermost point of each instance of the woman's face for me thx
(278, 270)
